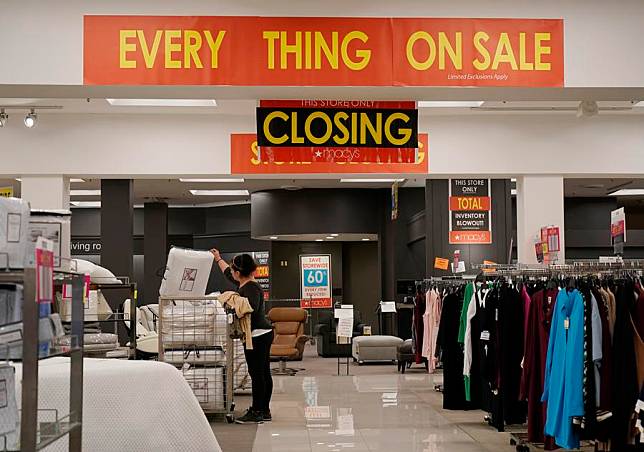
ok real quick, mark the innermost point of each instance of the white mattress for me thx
(187, 324)
(128, 405)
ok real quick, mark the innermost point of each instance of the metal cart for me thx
(195, 335)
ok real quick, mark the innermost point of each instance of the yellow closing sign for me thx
(6, 192)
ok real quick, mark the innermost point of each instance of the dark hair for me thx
(244, 264)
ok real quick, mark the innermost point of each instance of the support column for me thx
(155, 248)
(46, 192)
(117, 221)
(387, 259)
(540, 202)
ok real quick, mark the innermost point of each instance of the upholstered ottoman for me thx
(375, 348)
(405, 355)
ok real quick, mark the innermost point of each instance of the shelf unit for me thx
(35, 435)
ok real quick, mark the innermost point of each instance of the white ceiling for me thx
(177, 193)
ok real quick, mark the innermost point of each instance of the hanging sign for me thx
(322, 51)
(618, 229)
(394, 200)
(337, 131)
(470, 212)
(245, 159)
(441, 263)
(44, 270)
(6, 192)
(315, 277)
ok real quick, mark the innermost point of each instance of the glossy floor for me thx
(376, 410)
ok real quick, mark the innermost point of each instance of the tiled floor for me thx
(375, 410)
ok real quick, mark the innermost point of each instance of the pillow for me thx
(97, 274)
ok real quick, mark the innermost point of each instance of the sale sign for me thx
(470, 209)
(322, 51)
(337, 131)
(618, 229)
(245, 159)
(315, 277)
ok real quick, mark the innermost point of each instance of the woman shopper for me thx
(241, 272)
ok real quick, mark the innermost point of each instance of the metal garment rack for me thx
(35, 435)
(121, 316)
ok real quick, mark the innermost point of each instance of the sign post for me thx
(470, 212)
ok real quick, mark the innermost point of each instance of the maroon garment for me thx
(534, 363)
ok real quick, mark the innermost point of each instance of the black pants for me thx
(259, 368)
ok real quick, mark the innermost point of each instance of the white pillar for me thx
(46, 192)
(540, 202)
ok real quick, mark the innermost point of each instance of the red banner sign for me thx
(245, 159)
(322, 51)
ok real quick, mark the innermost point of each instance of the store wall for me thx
(227, 228)
(502, 145)
(437, 227)
(360, 282)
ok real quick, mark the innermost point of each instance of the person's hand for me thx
(215, 252)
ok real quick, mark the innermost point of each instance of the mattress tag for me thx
(549, 300)
(567, 323)
(485, 335)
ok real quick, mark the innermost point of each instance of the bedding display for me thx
(97, 274)
(14, 229)
(186, 324)
(132, 397)
(93, 342)
(187, 272)
(96, 307)
(54, 225)
(208, 385)
(11, 296)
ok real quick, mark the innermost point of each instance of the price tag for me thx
(441, 263)
(485, 335)
(567, 323)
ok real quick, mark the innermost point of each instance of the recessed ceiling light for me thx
(330, 238)
(334, 235)
(86, 203)
(449, 103)
(319, 240)
(365, 240)
(628, 192)
(214, 181)
(370, 181)
(77, 181)
(639, 104)
(162, 102)
(85, 192)
(274, 237)
(219, 192)
(18, 179)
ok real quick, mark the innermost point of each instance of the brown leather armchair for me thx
(289, 340)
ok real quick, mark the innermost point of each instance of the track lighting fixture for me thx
(3, 118)
(30, 119)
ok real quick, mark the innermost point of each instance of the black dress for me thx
(451, 351)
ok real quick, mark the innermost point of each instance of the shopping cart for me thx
(195, 335)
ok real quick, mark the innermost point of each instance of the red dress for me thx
(534, 364)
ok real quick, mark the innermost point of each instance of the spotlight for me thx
(3, 118)
(30, 119)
